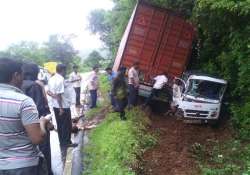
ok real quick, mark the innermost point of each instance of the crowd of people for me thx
(27, 107)
(124, 89)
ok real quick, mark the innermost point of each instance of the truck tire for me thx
(214, 123)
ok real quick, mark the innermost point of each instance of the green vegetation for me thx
(93, 59)
(224, 32)
(58, 48)
(222, 49)
(93, 112)
(105, 86)
(115, 145)
(230, 158)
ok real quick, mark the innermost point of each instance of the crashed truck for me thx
(162, 41)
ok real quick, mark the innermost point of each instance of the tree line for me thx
(58, 48)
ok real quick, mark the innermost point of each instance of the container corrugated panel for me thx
(160, 40)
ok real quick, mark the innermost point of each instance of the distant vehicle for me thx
(201, 97)
(50, 67)
(160, 39)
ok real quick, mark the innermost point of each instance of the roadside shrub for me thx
(224, 158)
(241, 120)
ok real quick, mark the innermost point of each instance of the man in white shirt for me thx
(160, 81)
(61, 102)
(133, 84)
(93, 86)
(176, 97)
(76, 78)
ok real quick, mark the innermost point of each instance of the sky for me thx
(35, 20)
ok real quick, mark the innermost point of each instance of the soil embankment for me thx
(172, 155)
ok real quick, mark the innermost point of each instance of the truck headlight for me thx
(214, 114)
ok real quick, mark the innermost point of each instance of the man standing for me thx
(61, 102)
(20, 128)
(119, 92)
(133, 84)
(76, 78)
(93, 86)
(111, 76)
(160, 81)
(34, 90)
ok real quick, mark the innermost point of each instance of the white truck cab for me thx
(201, 97)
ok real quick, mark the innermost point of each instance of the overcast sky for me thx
(35, 20)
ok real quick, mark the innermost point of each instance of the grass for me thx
(104, 86)
(115, 145)
(228, 158)
(93, 112)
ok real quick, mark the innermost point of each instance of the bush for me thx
(223, 158)
(241, 120)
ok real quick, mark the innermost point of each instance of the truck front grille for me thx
(197, 113)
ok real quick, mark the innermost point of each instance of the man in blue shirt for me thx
(111, 75)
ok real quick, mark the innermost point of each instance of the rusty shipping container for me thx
(159, 39)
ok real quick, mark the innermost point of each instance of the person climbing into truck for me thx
(119, 92)
(176, 94)
(160, 81)
(133, 84)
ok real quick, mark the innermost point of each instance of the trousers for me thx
(40, 169)
(78, 94)
(133, 95)
(93, 95)
(64, 126)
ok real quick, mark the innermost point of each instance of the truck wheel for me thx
(179, 114)
(214, 123)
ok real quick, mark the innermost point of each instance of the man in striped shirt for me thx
(20, 128)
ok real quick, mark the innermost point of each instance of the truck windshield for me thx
(205, 89)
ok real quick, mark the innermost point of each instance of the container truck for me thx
(161, 40)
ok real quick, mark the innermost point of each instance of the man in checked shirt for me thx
(20, 128)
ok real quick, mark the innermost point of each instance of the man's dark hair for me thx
(8, 67)
(122, 69)
(108, 68)
(95, 67)
(60, 68)
(30, 71)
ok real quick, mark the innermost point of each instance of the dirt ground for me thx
(172, 155)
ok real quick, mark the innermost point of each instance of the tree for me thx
(94, 59)
(60, 49)
(27, 51)
(110, 25)
(224, 30)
